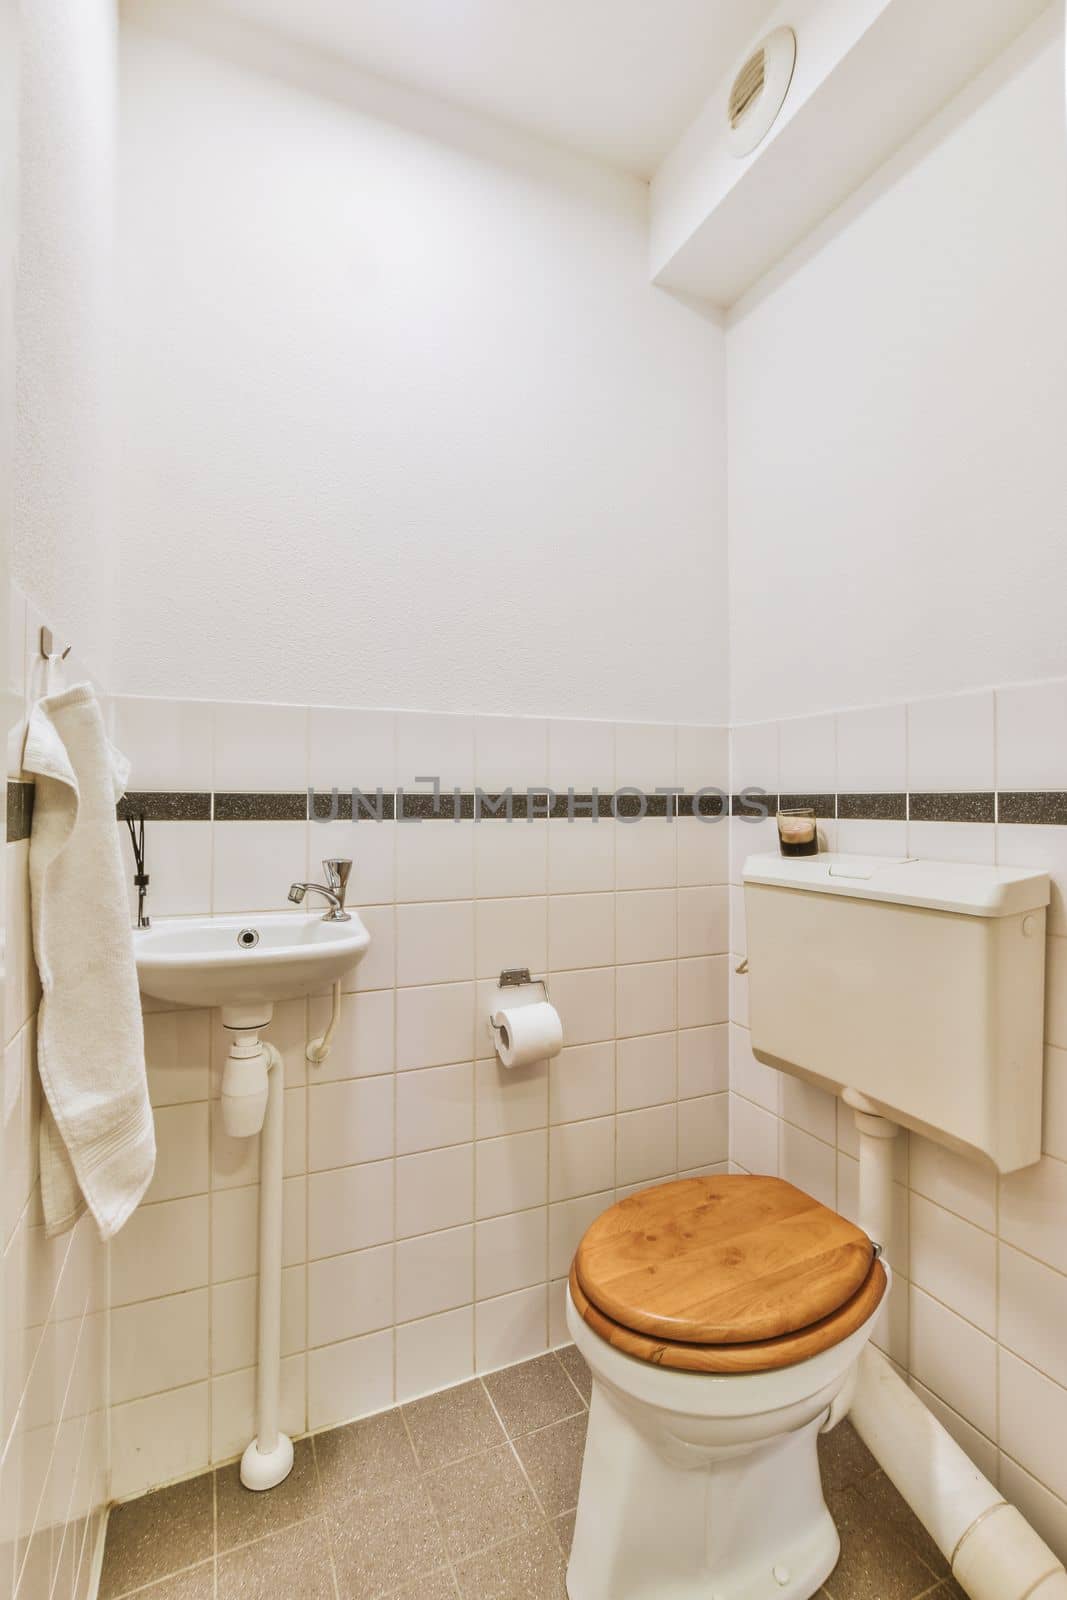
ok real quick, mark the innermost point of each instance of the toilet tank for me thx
(918, 985)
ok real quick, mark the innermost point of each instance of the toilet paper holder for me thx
(515, 978)
(529, 1033)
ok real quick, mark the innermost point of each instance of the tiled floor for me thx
(466, 1495)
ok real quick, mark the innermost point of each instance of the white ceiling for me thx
(616, 79)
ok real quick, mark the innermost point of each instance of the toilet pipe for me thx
(993, 1552)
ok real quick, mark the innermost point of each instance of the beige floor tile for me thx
(294, 1562)
(382, 1541)
(395, 1515)
(844, 1458)
(577, 1369)
(364, 1457)
(159, 1534)
(438, 1586)
(484, 1501)
(446, 1427)
(564, 1530)
(196, 1584)
(530, 1568)
(892, 1511)
(553, 1460)
(874, 1563)
(532, 1395)
(244, 1515)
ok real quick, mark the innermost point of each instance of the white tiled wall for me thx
(432, 1200)
(53, 1293)
(981, 1263)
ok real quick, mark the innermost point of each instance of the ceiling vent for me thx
(758, 91)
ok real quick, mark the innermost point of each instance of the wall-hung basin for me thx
(243, 965)
(245, 961)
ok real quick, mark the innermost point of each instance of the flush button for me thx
(1029, 925)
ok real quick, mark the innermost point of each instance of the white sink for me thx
(250, 960)
(243, 965)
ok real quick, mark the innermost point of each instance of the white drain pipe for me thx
(253, 1102)
(992, 1550)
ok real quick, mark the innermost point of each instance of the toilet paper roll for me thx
(527, 1033)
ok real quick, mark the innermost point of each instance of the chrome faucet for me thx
(333, 890)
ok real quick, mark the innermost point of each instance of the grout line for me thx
(521, 1465)
(997, 1363)
(421, 1475)
(328, 1536)
(20, 1567)
(164, 1577)
(570, 1380)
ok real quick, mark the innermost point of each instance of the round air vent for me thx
(758, 92)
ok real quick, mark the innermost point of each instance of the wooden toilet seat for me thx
(727, 1274)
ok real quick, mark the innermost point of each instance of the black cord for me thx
(137, 841)
(140, 877)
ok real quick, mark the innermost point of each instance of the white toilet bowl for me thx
(701, 1486)
(704, 1485)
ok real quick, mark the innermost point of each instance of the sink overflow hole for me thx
(247, 938)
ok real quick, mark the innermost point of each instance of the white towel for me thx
(98, 1143)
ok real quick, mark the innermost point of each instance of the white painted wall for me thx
(404, 421)
(63, 537)
(897, 418)
(10, 705)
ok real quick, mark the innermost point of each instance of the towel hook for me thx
(47, 646)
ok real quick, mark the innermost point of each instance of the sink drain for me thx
(247, 938)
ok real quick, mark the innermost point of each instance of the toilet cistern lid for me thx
(966, 888)
(721, 1261)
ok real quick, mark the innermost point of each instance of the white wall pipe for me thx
(877, 1138)
(269, 1458)
(318, 1049)
(993, 1552)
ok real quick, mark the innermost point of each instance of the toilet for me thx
(722, 1319)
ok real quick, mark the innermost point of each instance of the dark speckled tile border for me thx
(450, 805)
(19, 810)
(873, 807)
(753, 803)
(372, 805)
(709, 804)
(636, 806)
(824, 805)
(967, 807)
(1037, 808)
(261, 807)
(157, 805)
(1025, 807)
